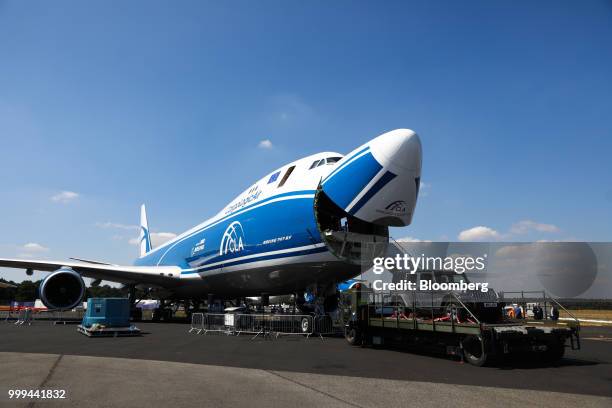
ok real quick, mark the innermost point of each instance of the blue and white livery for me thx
(305, 226)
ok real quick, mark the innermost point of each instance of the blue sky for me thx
(167, 102)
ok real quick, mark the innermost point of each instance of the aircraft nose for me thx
(399, 148)
(379, 181)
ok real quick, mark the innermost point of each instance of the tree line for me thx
(27, 291)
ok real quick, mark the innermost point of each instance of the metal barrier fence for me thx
(218, 322)
(256, 324)
(323, 325)
(26, 315)
(265, 325)
(6, 315)
(286, 325)
(197, 323)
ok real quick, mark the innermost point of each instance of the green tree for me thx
(7, 295)
(27, 291)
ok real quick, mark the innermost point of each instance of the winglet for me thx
(145, 238)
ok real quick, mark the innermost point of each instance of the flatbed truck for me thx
(369, 320)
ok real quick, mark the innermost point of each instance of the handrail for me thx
(398, 246)
(545, 299)
(465, 307)
(566, 311)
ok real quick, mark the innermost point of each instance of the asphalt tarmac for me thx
(168, 365)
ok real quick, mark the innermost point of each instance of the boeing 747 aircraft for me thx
(304, 227)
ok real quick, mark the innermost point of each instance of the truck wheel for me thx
(352, 335)
(474, 350)
(555, 351)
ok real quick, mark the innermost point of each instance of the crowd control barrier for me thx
(218, 322)
(26, 316)
(323, 325)
(257, 324)
(29, 315)
(197, 323)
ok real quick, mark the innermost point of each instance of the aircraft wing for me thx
(164, 276)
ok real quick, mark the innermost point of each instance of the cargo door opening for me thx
(349, 238)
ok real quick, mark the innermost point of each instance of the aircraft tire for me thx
(352, 335)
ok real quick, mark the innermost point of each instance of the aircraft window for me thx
(322, 162)
(314, 164)
(332, 160)
(286, 176)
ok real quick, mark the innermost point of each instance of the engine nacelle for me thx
(62, 289)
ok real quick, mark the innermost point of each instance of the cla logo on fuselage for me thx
(397, 206)
(233, 239)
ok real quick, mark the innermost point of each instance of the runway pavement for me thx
(168, 366)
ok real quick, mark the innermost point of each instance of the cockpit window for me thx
(286, 176)
(321, 162)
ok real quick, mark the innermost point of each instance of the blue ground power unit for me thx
(108, 312)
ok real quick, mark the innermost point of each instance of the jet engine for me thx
(62, 289)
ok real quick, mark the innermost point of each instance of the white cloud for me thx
(411, 239)
(479, 233)
(65, 197)
(33, 247)
(157, 238)
(108, 224)
(265, 144)
(513, 251)
(31, 250)
(482, 233)
(523, 227)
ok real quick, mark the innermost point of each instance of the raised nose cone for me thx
(400, 148)
(379, 181)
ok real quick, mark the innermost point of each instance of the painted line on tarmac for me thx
(588, 320)
(597, 338)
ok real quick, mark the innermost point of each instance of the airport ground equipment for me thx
(99, 331)
(107, 317)
(377, 318)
